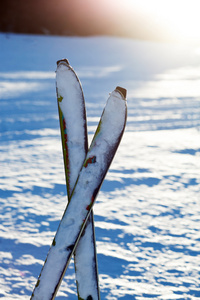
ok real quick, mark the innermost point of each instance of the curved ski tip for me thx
(65, 61)
(122, 91)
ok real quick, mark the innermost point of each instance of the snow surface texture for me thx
(147, 214)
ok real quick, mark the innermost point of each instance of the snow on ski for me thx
(99, 157)
(72, 115)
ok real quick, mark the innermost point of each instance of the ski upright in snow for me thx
(93, 171)
(73, 126)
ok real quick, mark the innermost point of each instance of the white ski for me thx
(73, 125)
(91, 176)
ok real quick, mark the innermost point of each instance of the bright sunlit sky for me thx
(180, 17)
(173, 19)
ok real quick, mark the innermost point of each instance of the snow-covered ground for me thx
(147, 214)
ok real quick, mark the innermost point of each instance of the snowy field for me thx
(147, 214)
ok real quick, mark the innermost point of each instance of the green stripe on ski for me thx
(64, 147)
(60, 98)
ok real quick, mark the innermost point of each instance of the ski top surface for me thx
(99, 157)
(73, 126)
(72, 115)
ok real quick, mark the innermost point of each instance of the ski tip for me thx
(122, 91)
(61, 61)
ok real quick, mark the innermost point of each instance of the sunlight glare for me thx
(180, 18)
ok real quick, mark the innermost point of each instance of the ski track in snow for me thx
(147, 214)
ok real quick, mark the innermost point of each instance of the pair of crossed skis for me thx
(85, 171)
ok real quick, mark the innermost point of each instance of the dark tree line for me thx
(55, 17)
